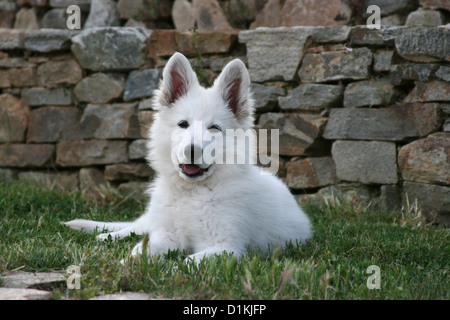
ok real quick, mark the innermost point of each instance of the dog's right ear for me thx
(178, 78)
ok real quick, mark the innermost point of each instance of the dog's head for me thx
(192, 124)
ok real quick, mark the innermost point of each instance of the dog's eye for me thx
(183, 124)
(215, 127)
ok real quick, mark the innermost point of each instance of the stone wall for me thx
(363, 114)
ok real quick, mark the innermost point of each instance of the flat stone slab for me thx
(28, 279)
(24, 294)
(123, 296)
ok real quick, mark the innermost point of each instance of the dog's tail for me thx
(90, 226)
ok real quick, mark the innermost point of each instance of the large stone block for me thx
(51, 124)
(274, 53)
(299, 134)
(90, 152)
(110, 121)
(11, 39)
(369, 93)
(429, 91)
(137, 149)
(311, 96)
(368, 162)
(26, 155)
(53, 73)
(48, 40)
(424, 44)
(412, 71)
(43, 97)
(265, 97)
(100, 87)
(13, 119)
(395, 123)
(433, 200)
(426, 160)
(141, 84)
(310, 173)
(336, 65)
(111, 48)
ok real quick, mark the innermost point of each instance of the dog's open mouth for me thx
(192, 170)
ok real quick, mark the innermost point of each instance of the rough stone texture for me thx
(26, 155)
(274, 54)
(137, 149)
(369, 93)
(5, 81)
(24, 294)
(12, 39)
(336, 65)
(26, 19)
(43, 96)
(312, 97)
(424, 44)
(141, 84)
(443, 73)
(209, 15)
(382, 60)
(310, 173)
(426, 160)
(388, 7)
(103, 13)
(395, 123)
(23, 77)
(31, 279)
(54, 19)
(100, 87)
(425, 18)
(435, 4)
(300, 134)
(363, 36)
(315, 13)
(129, 171)
(114, 121)
(13, 119)
(429, 91)
(47, 40)
(50, 180)
(54, 73)
(183, 15)
(433, 200)
(51, 124)
(110, 49)
(7, 175)
(412, 71)
(266, 97)
(368, 162)
(90, 152)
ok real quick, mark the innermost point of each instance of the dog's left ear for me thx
(234, 86)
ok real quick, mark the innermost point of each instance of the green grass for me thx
(413, 258)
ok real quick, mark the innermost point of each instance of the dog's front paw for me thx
(105, 236)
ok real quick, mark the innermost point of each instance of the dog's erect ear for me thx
(178, 78)
(233, 84)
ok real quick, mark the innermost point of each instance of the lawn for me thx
(411, 256)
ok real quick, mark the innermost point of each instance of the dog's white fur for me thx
(230, 207)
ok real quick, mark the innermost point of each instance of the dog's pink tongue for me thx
(191, 169)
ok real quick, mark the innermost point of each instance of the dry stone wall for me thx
(362, 113)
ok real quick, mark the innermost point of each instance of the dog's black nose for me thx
(193, 153)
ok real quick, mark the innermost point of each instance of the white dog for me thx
(207, 207)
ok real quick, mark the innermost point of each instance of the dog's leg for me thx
(199, 256)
